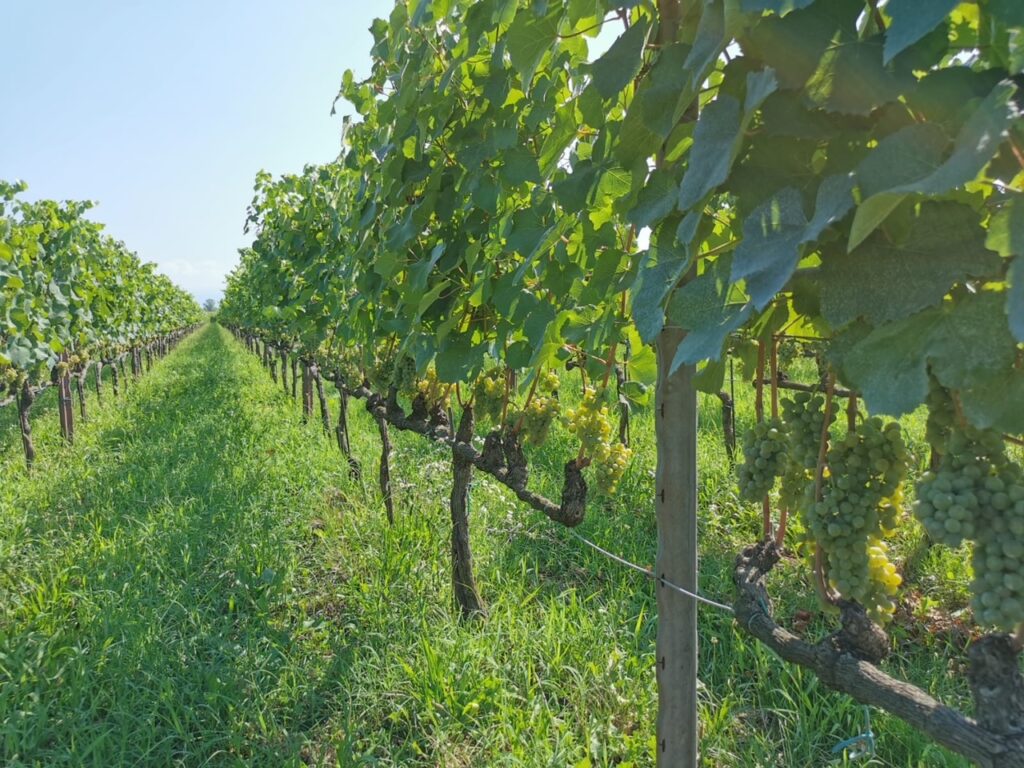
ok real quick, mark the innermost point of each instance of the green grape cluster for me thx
(804, 416)
(489, 395)
(537, 419)
(350, 372)
(549, 381)
(611, 466)
(977, 493)
(591, 423)
(404, 378)
(998, 586)
(434, 391)
(956, 500)
(389, 371)
(860, 503)
(765, 458)
(381, 373)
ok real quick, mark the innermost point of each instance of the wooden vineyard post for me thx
(676, 506)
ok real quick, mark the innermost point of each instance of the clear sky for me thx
(164, 110)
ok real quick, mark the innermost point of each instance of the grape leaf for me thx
(774, 232)
(702, 307)
(852, 80)
(667, 89)
(655, 280)
(769, 251)
(518, 166)
(883, 281)
(996, 402)
(1006, 237)
(656, 200)
(708, 43)
(889, 366)
(529, 38)
(621, 62)
(718, 136)
(972, 343)
(794, 44)
(910, 160)
(912, 20)
(1010, 12)
(780, 7)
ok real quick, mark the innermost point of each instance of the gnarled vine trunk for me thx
(994, 739)
(25, 399)
(99, 382)
(325, 413)
(467, 597)
(344, 443)
(384, 474)
(80, 389)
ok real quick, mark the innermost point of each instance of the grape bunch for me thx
(610, 467)
(592, 425)
(434, 391)
(404, 377)
(998, 586)
(764, 459)
(804, 417)
(537, 419)
(859, 505)
(549, 381)
(863, 572)
(956, 500)
(381, 373)
(489, 395)
(977, 493)
(391, 371)
(8, 377)
(348, 369)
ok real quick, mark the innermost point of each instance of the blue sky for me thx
(163, 112)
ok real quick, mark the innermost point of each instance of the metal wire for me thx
(650, 575)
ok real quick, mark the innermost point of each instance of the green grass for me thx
(199, 582)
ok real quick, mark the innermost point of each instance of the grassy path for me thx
(198, 582)
(147, 605)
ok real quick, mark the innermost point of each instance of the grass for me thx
(199, 582)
